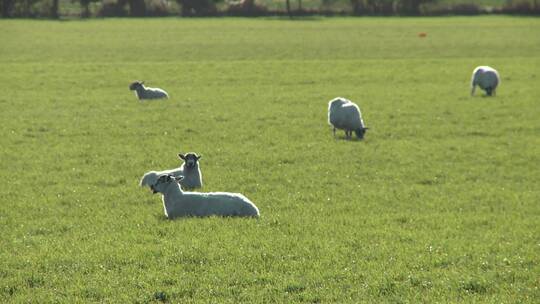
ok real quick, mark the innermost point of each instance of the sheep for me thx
(143, 92)
(345, 115)
(487, 78)
(177, 203)
(189, 170)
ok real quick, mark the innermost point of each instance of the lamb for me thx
(487, 78)
(143, 92)
(177, 203)
(345, 115)
(190, 171)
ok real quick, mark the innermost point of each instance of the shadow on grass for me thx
(352, 139)
(162, 218)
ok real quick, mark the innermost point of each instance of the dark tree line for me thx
(387, 7)
(188, 8)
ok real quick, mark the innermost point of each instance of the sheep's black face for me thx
(161, 183)
(135, 85)
(190, 159)
(360, 133)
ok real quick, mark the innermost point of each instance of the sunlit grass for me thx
(438, 204)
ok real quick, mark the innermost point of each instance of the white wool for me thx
(177, 203)
(151, 93)
(151, 177)
(192, 176)
(345, 115)
(487, 78)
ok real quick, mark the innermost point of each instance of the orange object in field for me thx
(422, 34)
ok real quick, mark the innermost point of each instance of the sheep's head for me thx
(361, 132)
(190, 159)
(153, 180)
(135, 85)
(163, 182)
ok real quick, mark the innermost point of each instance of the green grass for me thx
(440, 202)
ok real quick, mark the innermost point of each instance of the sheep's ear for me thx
(182, 156)
(366, 128)
(199, 157)
(179, 178)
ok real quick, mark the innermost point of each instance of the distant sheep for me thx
(189, 170)
(345, 115)
(486, 78)
(177, 203)
(143, 92)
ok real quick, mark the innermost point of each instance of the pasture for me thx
(439, 203)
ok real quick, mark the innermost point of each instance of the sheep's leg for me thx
(473, 87)
(334, 130)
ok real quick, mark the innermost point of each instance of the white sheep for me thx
(487, 78)
(177, 203)
(189, 170)
(345, 115)
(143, 92)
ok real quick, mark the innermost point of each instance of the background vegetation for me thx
(438, 204)
(187, 8)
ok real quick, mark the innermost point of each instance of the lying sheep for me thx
(189, 170)
(143, 92)
(487, 78)
(177, 203)
(345, 115)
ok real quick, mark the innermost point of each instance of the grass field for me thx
(440, 202)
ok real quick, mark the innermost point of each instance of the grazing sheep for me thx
(177, 203)
(189, 170)
(345, 115)
(487, 78)
(143, 92)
